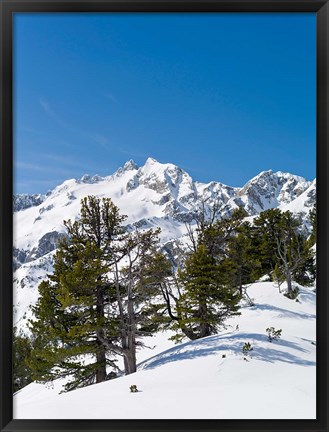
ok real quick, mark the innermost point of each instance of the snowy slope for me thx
(193, 380)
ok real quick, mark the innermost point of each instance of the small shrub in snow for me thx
(292, 294)
(247, 348)
(278, 277)
(273, 334)
(133, 388)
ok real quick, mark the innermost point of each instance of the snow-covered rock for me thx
(23, 201)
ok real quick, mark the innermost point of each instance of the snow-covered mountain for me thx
(207, 378)
(154, 195)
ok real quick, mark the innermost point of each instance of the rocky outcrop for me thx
(47, 243)
(24, 201)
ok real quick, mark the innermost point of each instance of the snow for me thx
(193, 380)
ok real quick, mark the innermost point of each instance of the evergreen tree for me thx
(203, 295)
(205, 302)
(135, 294)
(22, 347)
(99, 300)
(264, 239)
(240, 265)
(76, 301)
(283, 247)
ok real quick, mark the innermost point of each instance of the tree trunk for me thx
(101, 363)
(289, 281)
(131, 358)
(101, 349)
(204, 326)
(240, 280)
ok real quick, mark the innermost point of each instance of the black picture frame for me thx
(7, 9)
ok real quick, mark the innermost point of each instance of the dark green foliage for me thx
(76, 301)
(209, 285)
(240, 265)
(264, 239)
(22, 374)
(205, 302)
(284, 249)
(273, 334)
(313, 219)
(99, 300)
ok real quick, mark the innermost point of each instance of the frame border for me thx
(7, 9)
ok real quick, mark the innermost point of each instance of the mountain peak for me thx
(130, 165)
(151, 161)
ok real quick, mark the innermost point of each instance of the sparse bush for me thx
(273, 334)
(247, 348)
(292, 294)
(133, 388)
(278, 277)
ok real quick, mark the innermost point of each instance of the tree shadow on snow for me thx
(283, 313)
(230, 345)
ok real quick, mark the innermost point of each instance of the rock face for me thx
(24, 201)
(46, 244)
(154, 195)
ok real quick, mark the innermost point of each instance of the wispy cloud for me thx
(48, 110)
(110, 97)
(94, 137)
(41, 168)
(64, 160)
(32, 130)
(133, 153)
(100, 139)
(45, 106)
(25, 186)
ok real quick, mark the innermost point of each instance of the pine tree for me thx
(205, 302)
(99, 300)
(76, 301)
(240, 265)
(202, 297)
(283, 246)
(22, 347)
(135, 293)
(264, 239)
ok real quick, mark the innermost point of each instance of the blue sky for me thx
(223, 96)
